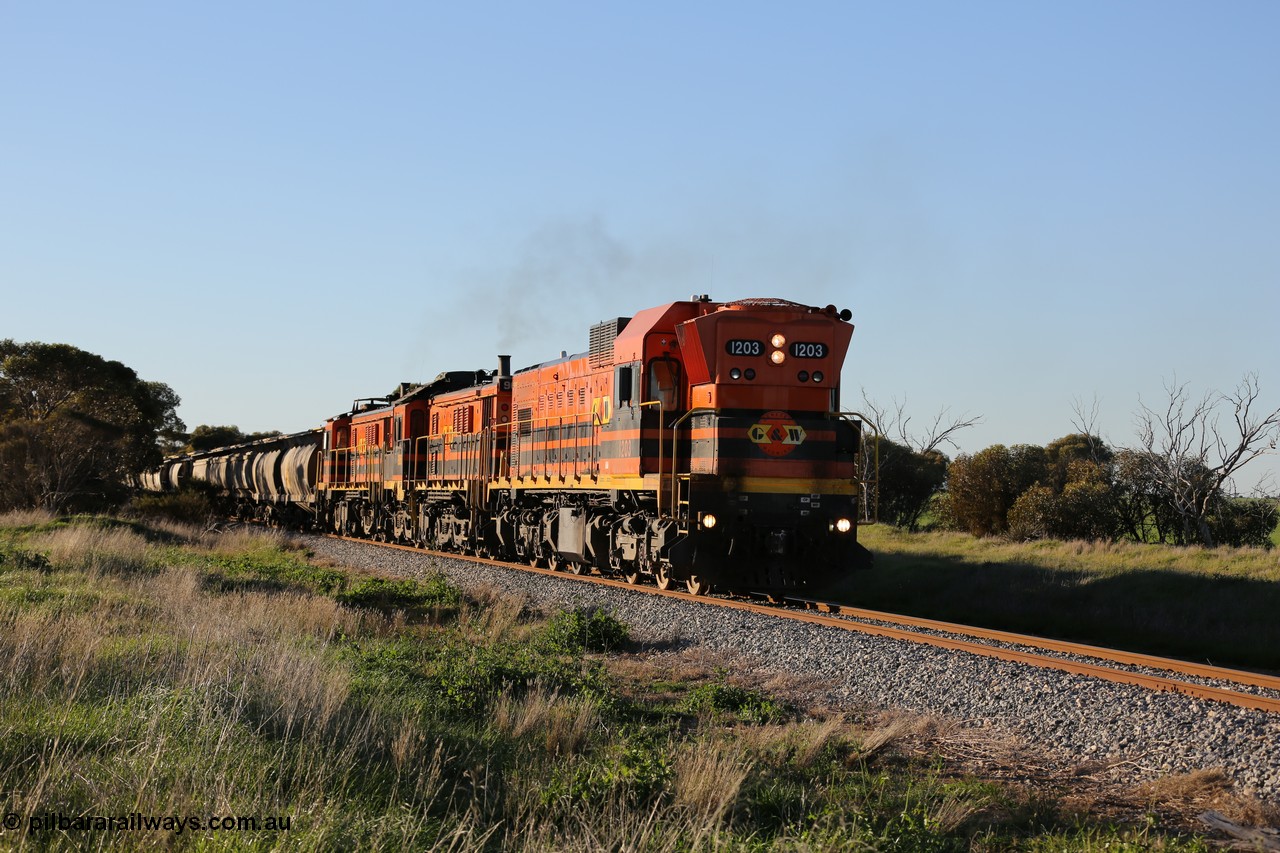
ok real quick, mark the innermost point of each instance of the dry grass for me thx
(562, 724)
(1100, 558)
(709, 776)
(170, 695)
(800, 743)
(166, 691)
(1209, 789)
(887, 731)
(25, 518)
(93, 549)
(494, 615)
(613, 825)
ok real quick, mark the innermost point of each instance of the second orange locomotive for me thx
(696, 442)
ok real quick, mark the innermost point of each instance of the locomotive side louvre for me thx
(561, 408)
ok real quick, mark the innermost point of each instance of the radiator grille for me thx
(602, 337)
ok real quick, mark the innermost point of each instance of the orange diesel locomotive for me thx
(696, 442)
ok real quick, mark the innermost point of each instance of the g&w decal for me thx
(777, 433)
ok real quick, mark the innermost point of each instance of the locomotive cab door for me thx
(664, 403)
(665, 379)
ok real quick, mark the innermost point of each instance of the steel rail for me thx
(1182, 667)
(1106, 673)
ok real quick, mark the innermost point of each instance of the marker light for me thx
(817, 376)
(751, 373)
(843, 525)
(708, 520)
(803, 376)
(735, 373)
(778, 356)
(778, 341)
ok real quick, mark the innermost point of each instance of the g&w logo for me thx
(777, 433)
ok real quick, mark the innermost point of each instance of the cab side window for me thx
(664, 383)
(622, 386)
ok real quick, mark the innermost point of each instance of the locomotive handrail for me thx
(352, 455)
(675, 445)
(874, 518)
(640, 455)
(561, 423)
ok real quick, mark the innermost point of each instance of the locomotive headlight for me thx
(777, 356)
(778, 341)
(843, 525)
(708, 520)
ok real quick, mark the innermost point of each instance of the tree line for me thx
(76, 429)
(1173, 486)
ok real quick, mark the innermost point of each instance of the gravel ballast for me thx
(1075, 717)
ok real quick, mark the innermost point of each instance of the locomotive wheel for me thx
(631, 576)
(696, 586)
(579, 568)
(663, 578)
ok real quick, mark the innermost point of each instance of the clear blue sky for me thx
(278, 207)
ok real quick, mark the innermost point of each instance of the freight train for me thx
(696, 443)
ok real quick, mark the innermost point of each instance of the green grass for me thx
(167, 671)
(1196, 603)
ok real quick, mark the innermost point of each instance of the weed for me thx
(727, 700)
(571, 632)
(401, 593)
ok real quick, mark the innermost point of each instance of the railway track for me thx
(1147, 671)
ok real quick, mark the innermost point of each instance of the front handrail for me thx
(675, 444)
(867, 485)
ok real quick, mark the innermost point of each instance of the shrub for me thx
(1244, 522)
(1034, 515)
(190, 506)
(907, 480)
(401, 593)
(572, 632)
(983, 487)
(21, 558)
(726, 699)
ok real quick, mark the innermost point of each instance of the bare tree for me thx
(1192, 455)
(1085, 420)
(893, 423)
(908, 468)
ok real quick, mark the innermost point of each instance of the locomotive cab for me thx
(773, 486)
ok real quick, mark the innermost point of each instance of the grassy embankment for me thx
(1216, 604)
(158, 670)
